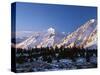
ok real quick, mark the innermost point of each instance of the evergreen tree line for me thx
(49, 53)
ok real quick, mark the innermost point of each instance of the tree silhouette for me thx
(48, 54)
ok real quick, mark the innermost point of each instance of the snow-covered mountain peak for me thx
(92, 20)
(84, 36)
(51, 30)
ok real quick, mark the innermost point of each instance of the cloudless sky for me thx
(64, 18)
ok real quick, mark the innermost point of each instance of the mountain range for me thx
(84, 36)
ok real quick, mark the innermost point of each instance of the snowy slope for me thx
(85, 36)
(92, 40)
(82, 35)
(42, 39)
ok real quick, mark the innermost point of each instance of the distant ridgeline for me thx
(85, 36)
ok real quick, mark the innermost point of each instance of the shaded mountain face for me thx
(85, 36)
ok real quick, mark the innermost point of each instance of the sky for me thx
(63, 18)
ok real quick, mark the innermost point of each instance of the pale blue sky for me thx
(64, 18)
